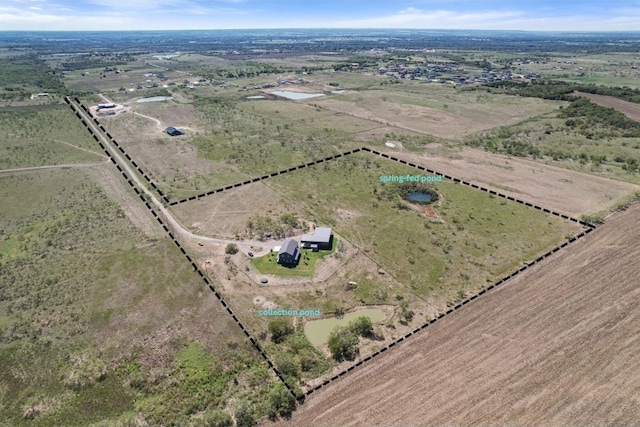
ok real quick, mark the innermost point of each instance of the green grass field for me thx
(478, 239)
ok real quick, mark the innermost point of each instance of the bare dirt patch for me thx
(629, 109)
(168, 160)
(381, 132)
(226, 214)
(557, 345)
(174, 114)
(457, 120)
(562, 190)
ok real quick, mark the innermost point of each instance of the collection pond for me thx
(318, 330)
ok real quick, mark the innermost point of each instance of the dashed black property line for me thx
(466, 301)
(263, 177)
(396, 159)
(95, 120)
(478, 187)
(451, 310)
(589, 229)
(205, 279)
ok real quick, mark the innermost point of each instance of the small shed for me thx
(173, 131)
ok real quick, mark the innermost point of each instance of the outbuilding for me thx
(173, 131)
(322, 238)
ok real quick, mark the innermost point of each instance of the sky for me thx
(533, 15)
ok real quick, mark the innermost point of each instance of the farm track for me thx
(66, 166)
(158, 122)
(557, 345)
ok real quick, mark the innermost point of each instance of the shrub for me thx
(231, 249)
(361, 326)
(281, 402)
(244, 414)
(280, 329)
(343, 344)
(287, 366)
(217, 418)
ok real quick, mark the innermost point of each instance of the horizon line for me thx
(329, 28)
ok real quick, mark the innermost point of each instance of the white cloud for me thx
(414, 18)
(417, 18)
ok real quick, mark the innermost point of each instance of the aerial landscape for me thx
(411, 213)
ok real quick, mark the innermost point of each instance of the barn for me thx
(322, 238)
(288, 253)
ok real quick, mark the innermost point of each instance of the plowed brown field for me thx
(629, 109)
(558, 345)
(559, 189)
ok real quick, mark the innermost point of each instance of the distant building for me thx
(288, 253)
(106, 106)
(173, 131)
(322, 238)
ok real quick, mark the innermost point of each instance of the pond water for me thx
(296, 95)
(318, 330)
(155, 99)
(417, 196)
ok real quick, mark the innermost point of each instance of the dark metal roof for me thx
(289, 247)
(173, 131)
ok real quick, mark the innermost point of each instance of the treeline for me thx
(96, 60)
(582, 114)
(20, 74)
(242, 69)
(29, 70)
(561, 90)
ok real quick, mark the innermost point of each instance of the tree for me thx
(280, 329)
(231, 249)
(281, 402)
(343, 344)
(361, 326)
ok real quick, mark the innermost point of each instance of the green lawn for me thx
(267, 264)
